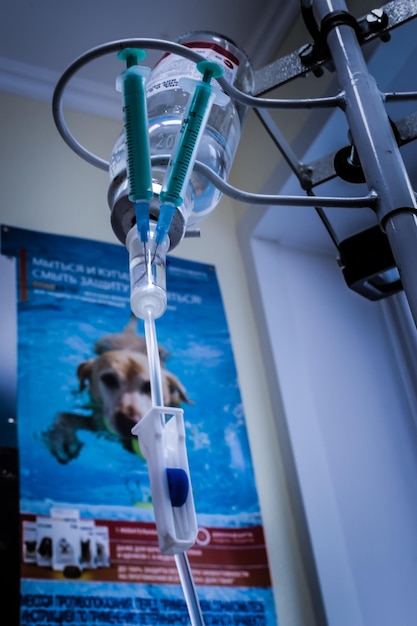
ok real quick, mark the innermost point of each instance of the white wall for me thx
(46, 187)
(349, 430)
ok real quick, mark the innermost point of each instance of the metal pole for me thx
(381, 161)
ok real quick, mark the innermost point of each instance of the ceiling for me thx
(40, 38)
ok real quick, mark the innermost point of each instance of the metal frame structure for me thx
(375, 141)
(374, 155)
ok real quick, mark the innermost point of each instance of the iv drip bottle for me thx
(166, 102)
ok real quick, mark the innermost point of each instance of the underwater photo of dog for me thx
(117, 379)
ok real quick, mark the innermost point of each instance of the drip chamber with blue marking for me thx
(169, 89)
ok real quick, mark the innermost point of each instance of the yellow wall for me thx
(46, 187)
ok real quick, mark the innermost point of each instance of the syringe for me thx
(147, 275)
(185, 149)
(131, 83)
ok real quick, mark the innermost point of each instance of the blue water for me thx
(64, 314)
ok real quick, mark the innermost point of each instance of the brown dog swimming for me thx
(118, 383)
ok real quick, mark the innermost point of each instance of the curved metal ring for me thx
(176, 48)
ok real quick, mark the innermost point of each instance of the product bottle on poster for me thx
(166, 102)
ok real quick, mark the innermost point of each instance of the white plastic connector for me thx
(161, 437)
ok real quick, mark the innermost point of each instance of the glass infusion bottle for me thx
(167, 101)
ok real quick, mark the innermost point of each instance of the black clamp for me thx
(338, 18)
(347, 164)
(315, 54)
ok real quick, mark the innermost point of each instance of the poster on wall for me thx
(89, 547)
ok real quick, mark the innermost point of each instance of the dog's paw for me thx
(64, 445)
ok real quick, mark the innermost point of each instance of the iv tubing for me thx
(153, 360)
(181, 560)
(188, 587)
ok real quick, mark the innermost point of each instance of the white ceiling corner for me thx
(42, 41)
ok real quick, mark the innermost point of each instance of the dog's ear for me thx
(177, 393)
(84, 371)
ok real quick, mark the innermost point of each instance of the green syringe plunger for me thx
(185, 150)
(131, 83)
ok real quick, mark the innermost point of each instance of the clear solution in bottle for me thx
(167, 102)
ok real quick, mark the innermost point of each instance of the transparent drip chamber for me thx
(147, 266)
(166, 103)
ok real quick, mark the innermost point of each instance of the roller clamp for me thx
(161, 437)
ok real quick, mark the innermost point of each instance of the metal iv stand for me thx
(374, 140)
(338, 37)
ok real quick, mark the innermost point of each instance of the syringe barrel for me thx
(132, 84)
(184, 153)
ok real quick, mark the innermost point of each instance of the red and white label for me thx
(172, 67)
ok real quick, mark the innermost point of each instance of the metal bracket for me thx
(377, 24)
(323, 169)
